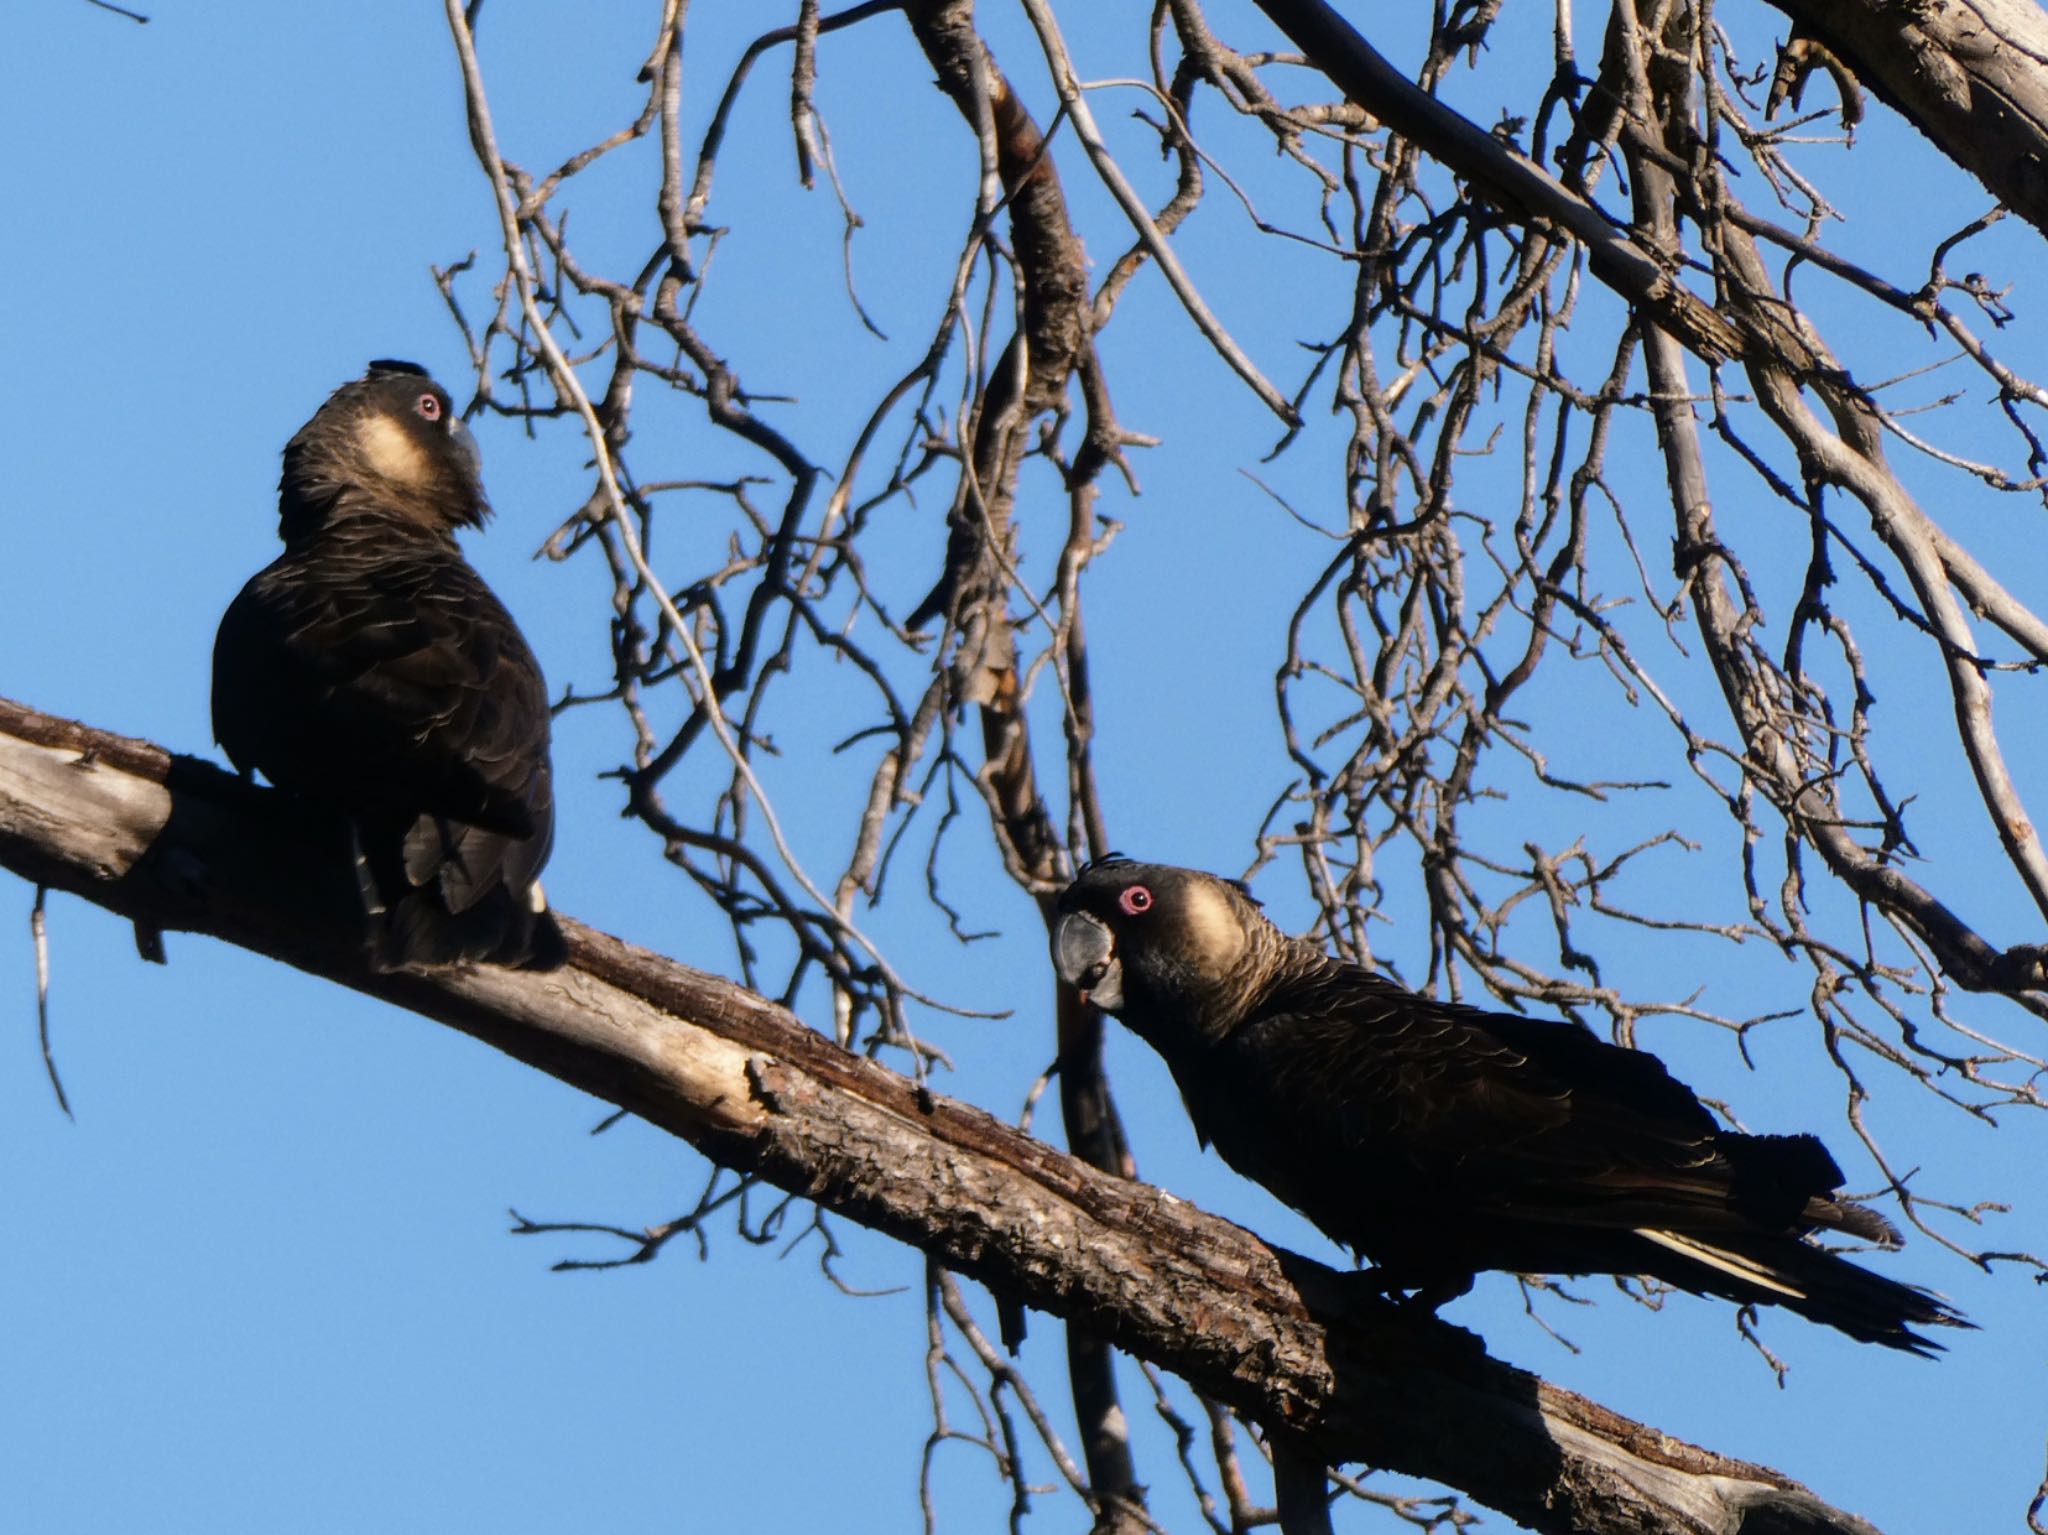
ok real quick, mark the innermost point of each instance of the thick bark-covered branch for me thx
(1967, 73)
(172, 842)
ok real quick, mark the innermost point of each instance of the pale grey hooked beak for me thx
(464, 443)
(1084, 953)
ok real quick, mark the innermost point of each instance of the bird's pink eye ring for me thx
(1135, 899)
(430, 407)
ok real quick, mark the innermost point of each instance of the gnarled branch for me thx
(173, 842)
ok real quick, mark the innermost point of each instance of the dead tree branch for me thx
(175, 843)
(1966, 75)
(1506, 176)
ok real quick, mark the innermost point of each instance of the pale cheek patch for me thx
(391, 451)
(1215, 934)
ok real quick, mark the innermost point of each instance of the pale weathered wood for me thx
(176, 844)
(1967, 73)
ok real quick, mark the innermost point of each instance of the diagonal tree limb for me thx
(1851, 457)
(173, 842)
(1502, 174)
(1967, 73)
(1778, 355)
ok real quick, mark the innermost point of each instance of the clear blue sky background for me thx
(264, 1281)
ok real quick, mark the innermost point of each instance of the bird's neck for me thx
(349, 516)
(1201, 1014)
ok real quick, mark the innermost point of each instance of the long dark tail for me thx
(1778, 1270)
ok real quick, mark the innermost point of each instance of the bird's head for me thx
(1169, 951)
(390, 442)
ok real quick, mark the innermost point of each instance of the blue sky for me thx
(264, 1281)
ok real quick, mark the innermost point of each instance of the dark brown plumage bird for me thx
(370, 669)
(1440, 1140)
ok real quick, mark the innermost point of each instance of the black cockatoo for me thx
(369, 669)
(1440, 1140)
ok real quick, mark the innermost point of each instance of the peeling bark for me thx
(1966, 73)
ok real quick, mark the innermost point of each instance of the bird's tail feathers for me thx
(500, 929)
(437, 910)
(1820, 1285)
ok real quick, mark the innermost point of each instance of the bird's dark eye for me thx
(1135, 900)
(429, 406)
